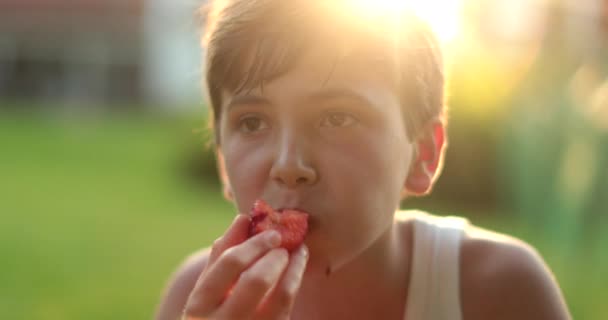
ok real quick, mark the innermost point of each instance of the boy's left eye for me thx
(338, 119)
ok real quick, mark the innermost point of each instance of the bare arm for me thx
(505, 278)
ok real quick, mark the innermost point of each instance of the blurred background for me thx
(107, 181)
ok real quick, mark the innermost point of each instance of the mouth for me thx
(312, 218)
(281, 209)
(291, 224)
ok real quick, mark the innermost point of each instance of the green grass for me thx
(96, 213)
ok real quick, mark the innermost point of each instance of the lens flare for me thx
(444, 16)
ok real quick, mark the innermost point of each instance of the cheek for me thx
(366, 179)
(246, 167)
(374, 166)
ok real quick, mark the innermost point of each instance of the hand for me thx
(247, 278)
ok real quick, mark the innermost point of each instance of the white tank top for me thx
(434, 291)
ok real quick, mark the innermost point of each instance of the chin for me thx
(319, 266)
(325, 261)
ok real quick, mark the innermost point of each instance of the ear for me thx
(221, 168)
(428, 159)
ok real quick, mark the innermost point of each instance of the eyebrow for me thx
(246, 99)
(339, 93)
(317, 97)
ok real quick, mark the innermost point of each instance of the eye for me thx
(252, 124)
(338, 119)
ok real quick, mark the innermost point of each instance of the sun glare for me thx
(379, 5)
(442, 15)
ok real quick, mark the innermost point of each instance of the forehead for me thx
(318, 74)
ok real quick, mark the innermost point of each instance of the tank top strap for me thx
(434, 291)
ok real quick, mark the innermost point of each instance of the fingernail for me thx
(273, 238)
(304, 251)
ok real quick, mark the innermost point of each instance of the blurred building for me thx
(147, 51)
(100, 51)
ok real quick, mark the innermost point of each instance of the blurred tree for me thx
(556, 160)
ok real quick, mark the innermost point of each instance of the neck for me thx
(372, 286)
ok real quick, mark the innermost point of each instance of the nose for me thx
(291, 167)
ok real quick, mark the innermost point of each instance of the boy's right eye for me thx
(252, 124)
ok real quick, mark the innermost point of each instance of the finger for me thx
(278, 303)
(213, 285)
(235, 234)
(253, 285)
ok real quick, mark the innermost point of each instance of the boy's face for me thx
(327, 139)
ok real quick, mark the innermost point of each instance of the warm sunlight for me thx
(442, 15)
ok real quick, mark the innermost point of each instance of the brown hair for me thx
(250, 42)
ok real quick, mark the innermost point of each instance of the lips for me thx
(282, 200)
(281, 209)
(312, 218)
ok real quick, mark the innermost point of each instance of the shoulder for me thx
(503, 277)
(180, 285)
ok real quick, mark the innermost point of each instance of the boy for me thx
(338, 112)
